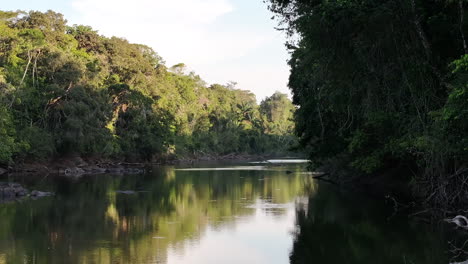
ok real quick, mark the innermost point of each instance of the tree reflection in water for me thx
(332, 227)
(181, 214)
(89, 222)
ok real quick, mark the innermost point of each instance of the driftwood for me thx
(464, 262)
(459, 220)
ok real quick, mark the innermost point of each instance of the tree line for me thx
(66, 90)
(382, 84)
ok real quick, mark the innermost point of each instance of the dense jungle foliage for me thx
(68, 90)
(382, 84)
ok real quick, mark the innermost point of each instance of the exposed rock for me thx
(115, 170)
(75, 171)
(32, 168)
(10, 191)
(126, 192)
(95, 170)
(79, 162)
(41, 194)
(13, 191)
(122, 170)
(130, 192)
(134, 170)
(77, 167)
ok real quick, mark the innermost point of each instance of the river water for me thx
(209, 213)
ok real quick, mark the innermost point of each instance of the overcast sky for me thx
(221, 40)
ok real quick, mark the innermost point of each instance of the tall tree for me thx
(372, 77)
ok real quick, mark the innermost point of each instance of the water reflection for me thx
(255, 239)
(274, 215)
(178, 217)
(281, 161)
(235, 168)
(335, 228)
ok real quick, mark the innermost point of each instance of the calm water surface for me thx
(212, 213)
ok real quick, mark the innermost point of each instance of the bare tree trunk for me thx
(426, 44)
(27, 67)
(322, 133)
(34, 70)
(22, 79)
(421, 33)
(462, 14)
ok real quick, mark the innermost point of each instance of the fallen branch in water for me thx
(464, 262)
(420, 212)
(458, 251)
(321, 177)
(459, 220)
(462, 222)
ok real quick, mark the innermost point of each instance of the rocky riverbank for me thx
(14, 191)
(77, 166)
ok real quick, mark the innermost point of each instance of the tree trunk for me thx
(420, 31)
(27, 67)
(462, 15)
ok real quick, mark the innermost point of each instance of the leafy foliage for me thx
(66, 90)
(380, 84)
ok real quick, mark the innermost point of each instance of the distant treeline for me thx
(68, 90)
(383, 84)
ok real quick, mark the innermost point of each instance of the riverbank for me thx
(72, 166)
(76, 166)
(400, 188)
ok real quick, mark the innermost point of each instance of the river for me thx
(262, 213)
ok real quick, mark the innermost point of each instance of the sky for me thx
(221, 40)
